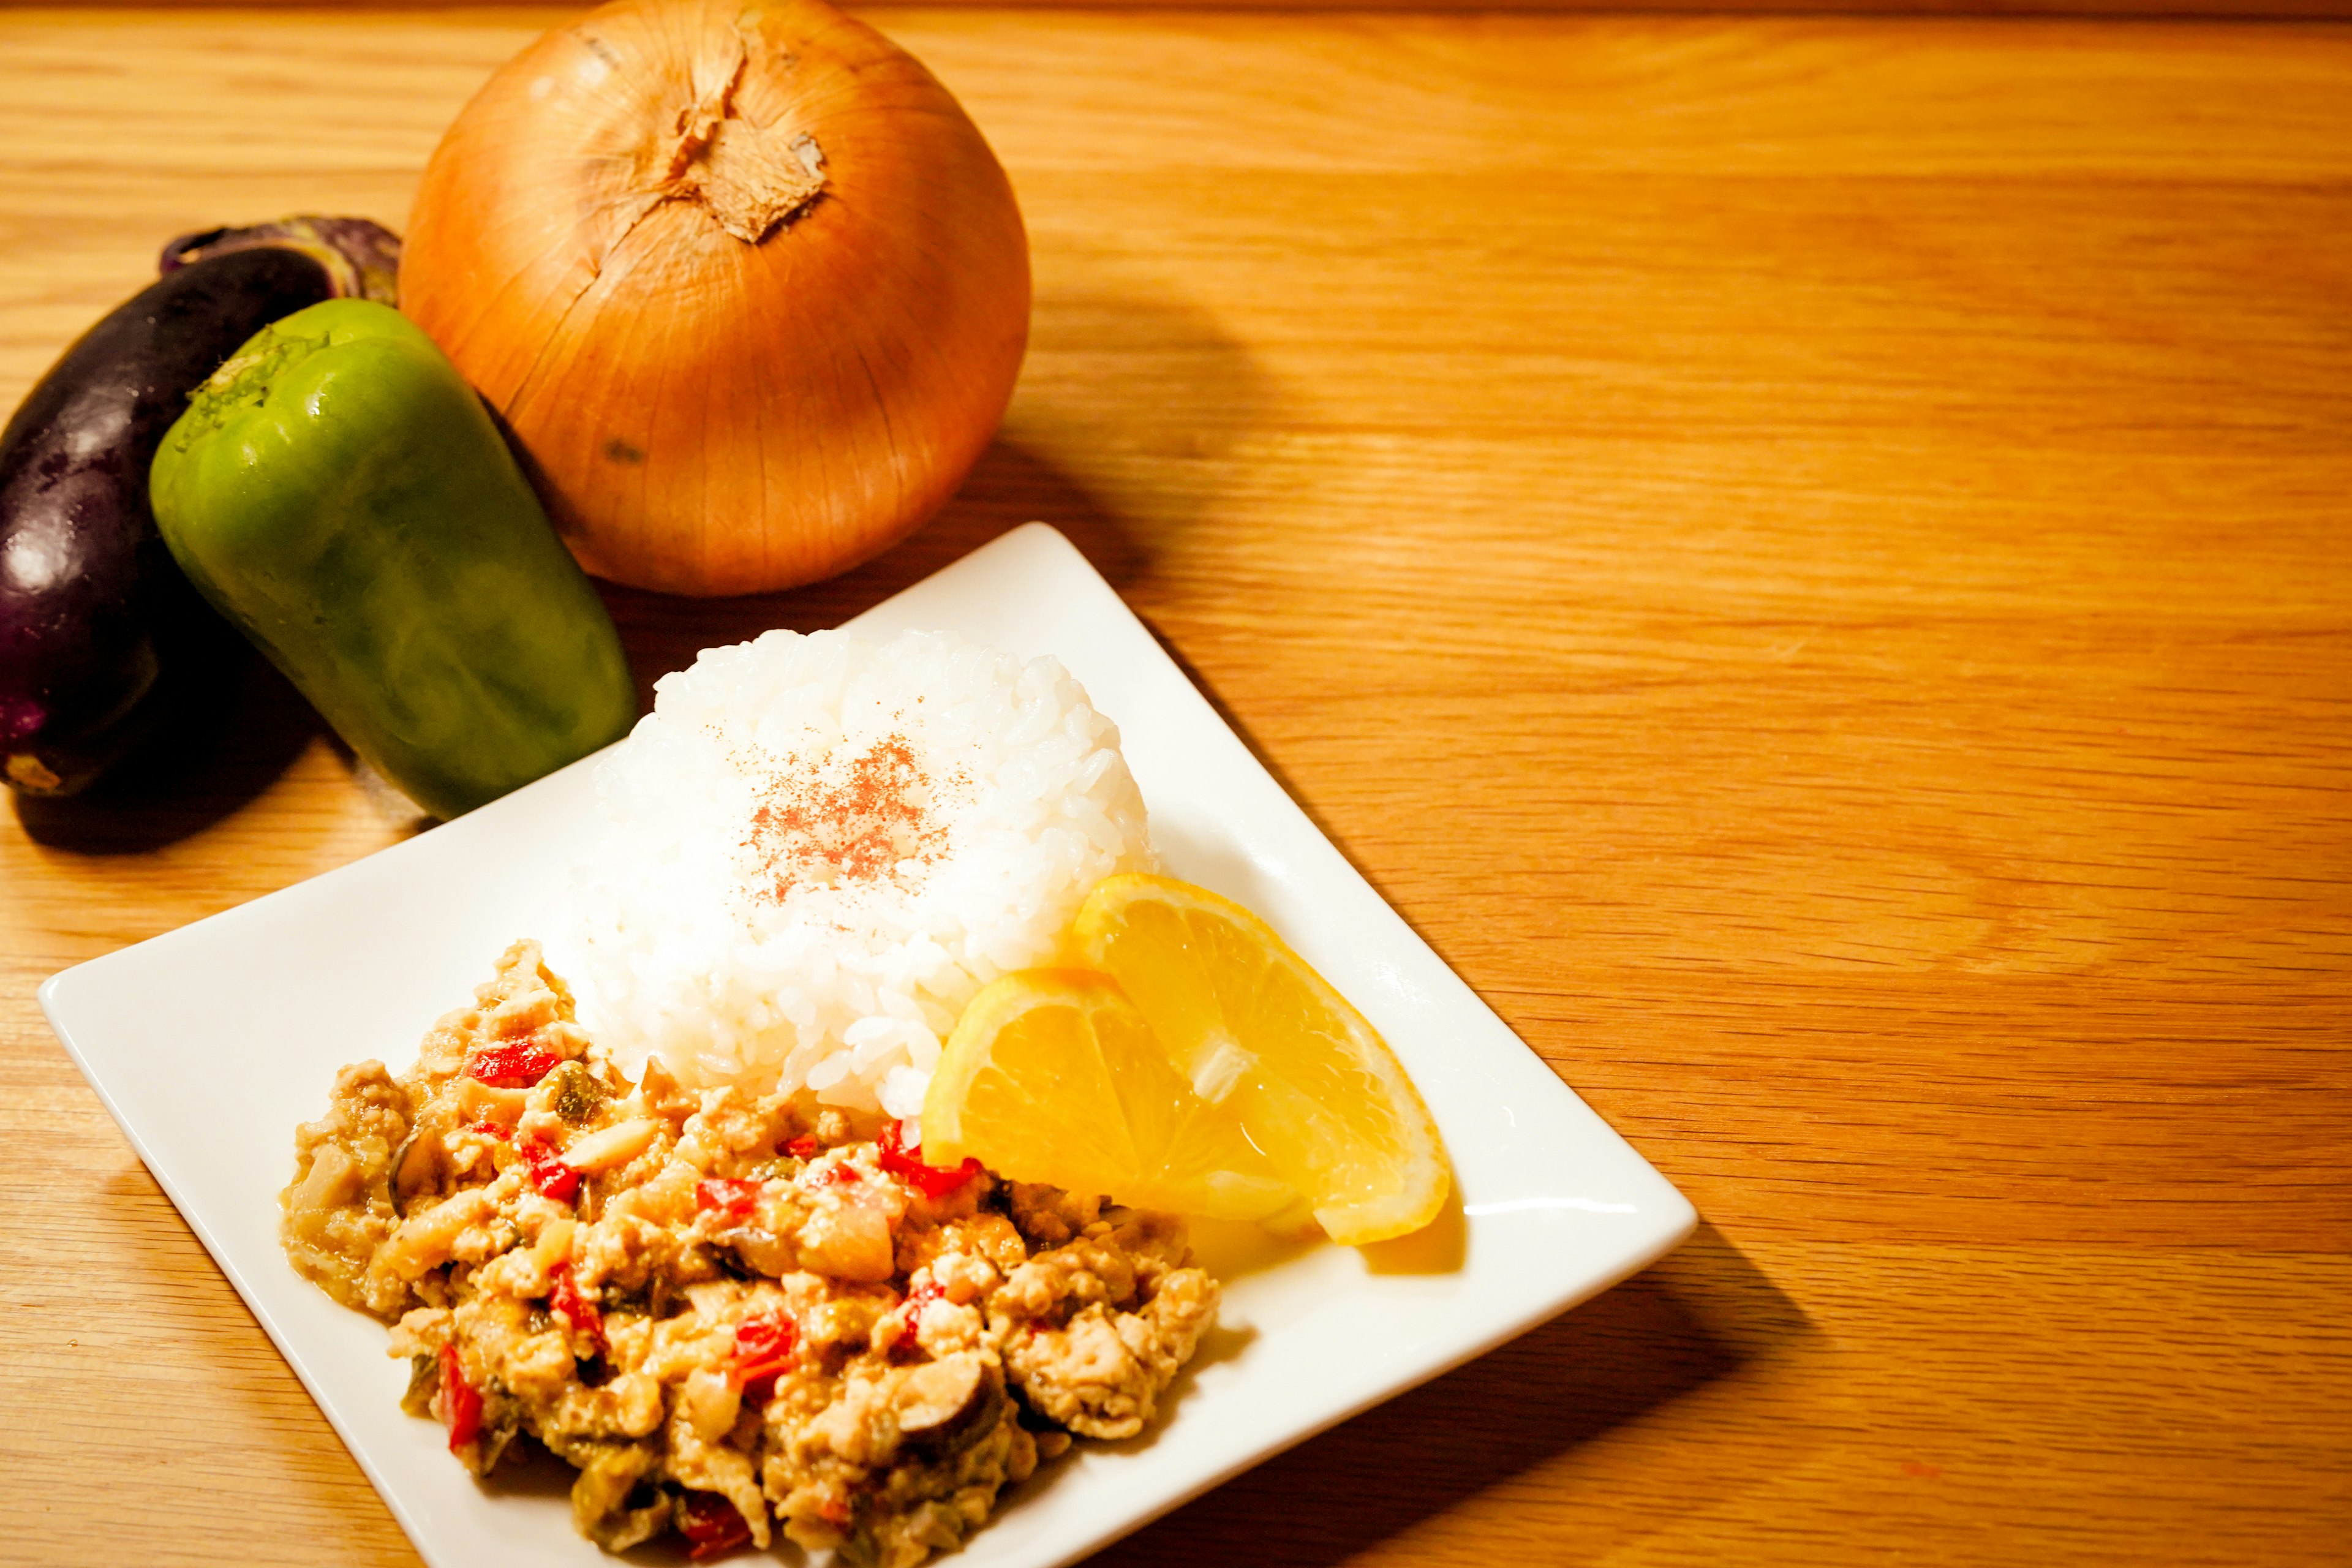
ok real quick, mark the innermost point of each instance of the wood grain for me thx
(1811, 558)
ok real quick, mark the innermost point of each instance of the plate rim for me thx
(1676, 1218)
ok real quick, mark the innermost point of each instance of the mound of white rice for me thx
(817, 848)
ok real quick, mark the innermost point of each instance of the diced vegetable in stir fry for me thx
(730, 1313)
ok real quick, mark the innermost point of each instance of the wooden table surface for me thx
(1811, 559)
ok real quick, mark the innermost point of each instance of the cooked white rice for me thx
(817, 848)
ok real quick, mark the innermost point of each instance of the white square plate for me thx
(209, 1044)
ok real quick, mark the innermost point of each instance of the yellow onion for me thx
(743, 278)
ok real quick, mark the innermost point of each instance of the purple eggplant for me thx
(362, 257)
(99, 633)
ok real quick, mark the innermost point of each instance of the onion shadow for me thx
(1008, 487)
(1122, 433)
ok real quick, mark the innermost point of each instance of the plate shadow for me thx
(1699, 1318)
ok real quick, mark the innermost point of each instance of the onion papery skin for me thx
(714, 411)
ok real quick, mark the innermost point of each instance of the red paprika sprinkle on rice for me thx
(859, 829)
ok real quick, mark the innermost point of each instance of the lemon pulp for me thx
(1254, 1029)
(1054, 1076)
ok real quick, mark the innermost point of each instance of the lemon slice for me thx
(1052, 1076)
(1254, 1027)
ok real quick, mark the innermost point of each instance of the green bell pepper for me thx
(340, 494)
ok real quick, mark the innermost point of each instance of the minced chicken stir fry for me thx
(729, 1312)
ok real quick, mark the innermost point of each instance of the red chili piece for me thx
(803, 1147)
(713, 1525)
(933, 1181)
(763, 1351)
(564, 1298)
(516, 1065)
(491, 1129)
(734, 1199)
(844, 1173)
(911, 1312)
(548, 1175)
(461, 1405)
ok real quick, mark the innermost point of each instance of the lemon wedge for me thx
(1254, 1029)
(1052, 1076)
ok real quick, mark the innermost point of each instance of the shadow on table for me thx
(1130, 382)
(1696, 1320)
(1009, 485)
(1140, 381)
(214, 751)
